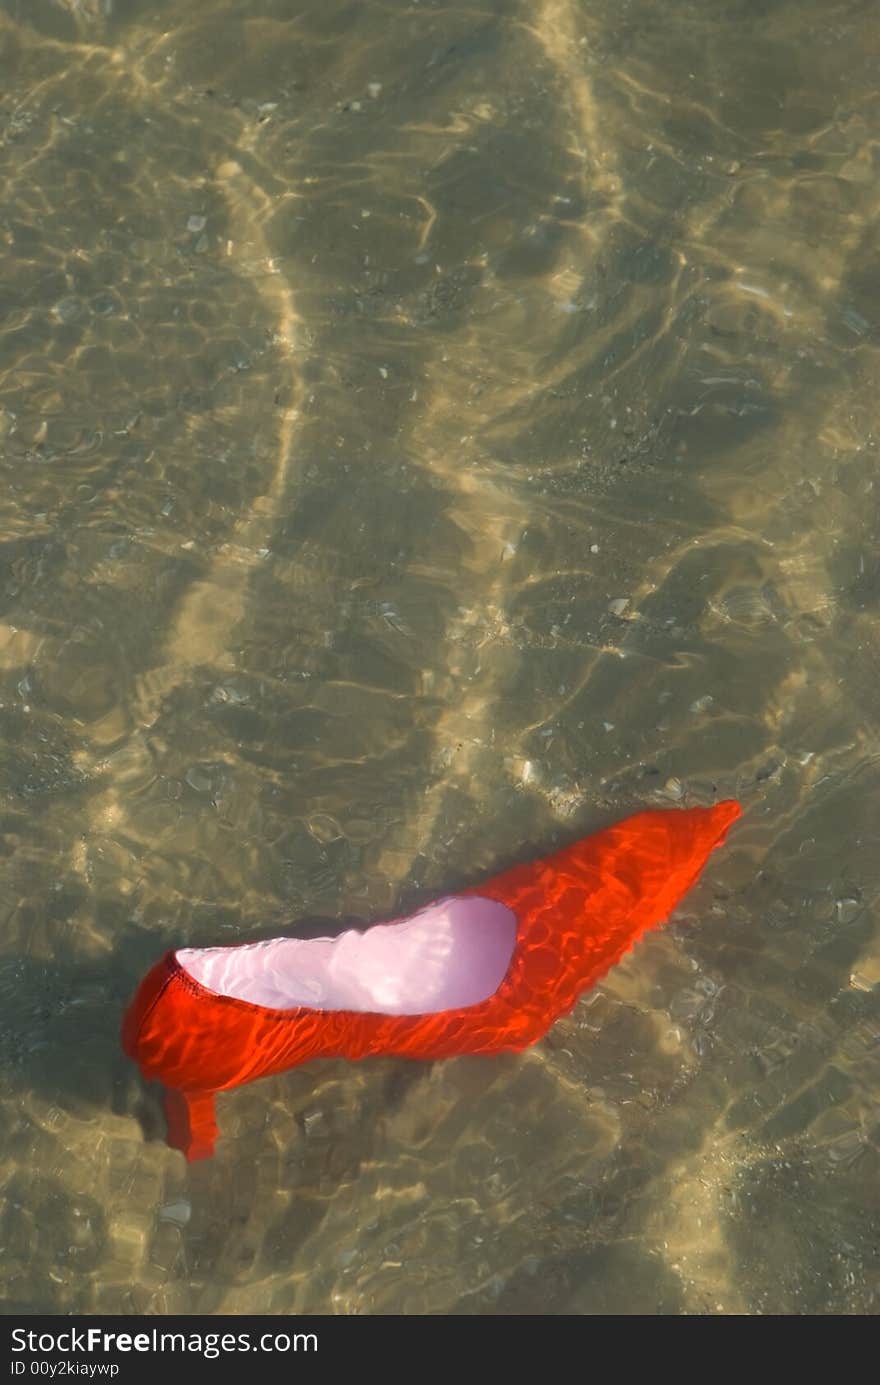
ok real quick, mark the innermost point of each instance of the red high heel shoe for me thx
(481, 972)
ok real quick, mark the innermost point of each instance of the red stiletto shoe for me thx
(480, 972)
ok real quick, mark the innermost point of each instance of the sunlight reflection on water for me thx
(428, 433)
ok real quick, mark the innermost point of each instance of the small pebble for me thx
(104, 305)
(618, 606)
(847, 909)
(673, 788)
(702, 703)
(177, 1212)
(324, 828)
(313, 1123)
(67, 309)
(767, 771)
(196, 224)
(198, 779)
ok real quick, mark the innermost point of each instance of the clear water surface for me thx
(428, 432)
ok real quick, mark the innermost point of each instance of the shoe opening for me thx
(450, 955)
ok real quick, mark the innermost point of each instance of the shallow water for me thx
(429, 432)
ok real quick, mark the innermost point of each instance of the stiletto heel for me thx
(192, 1124)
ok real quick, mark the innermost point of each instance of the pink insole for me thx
(453, 953)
